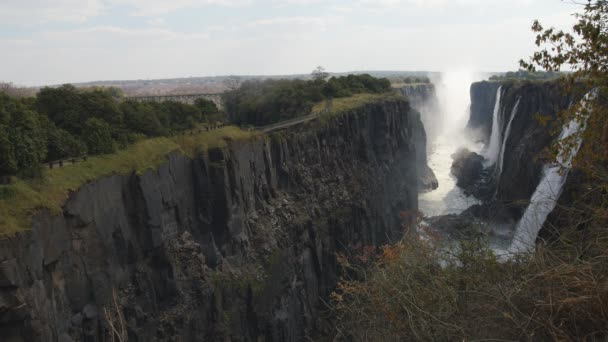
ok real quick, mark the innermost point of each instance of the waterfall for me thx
(504, 143)
(545, 196)
(491, 154)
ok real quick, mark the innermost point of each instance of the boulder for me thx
(467, 166)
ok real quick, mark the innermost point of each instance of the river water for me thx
(448, 198)
(446, 135)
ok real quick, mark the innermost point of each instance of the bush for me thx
(416, 291)
(98, 136)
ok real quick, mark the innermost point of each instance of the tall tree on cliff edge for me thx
(583, 52)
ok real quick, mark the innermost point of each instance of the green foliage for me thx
(20, 199)
(61, 144)
(585, 53)
(525, 75)
(98, 136)
(206, 106)
(416, 80)
(261, 103)
(22, 137)
(67, 122)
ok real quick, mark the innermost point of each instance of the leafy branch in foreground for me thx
(584, 52)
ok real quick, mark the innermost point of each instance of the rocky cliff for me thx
(483, 98)
(525, 148)
(423, 99)
(420, 96)
(236, 244)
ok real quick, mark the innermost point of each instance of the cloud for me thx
(311, 22)
(159, 7)
(29, 12)
(343, 35)
(156, 22)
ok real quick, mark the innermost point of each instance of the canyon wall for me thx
(237, 244)
(423, 99)
(483, 98)
(533, 128)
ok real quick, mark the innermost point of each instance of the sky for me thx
(62, 41)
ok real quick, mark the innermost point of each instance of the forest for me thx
(259, 103)
(67, 122)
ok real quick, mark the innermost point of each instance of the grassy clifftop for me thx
(20, 199)
(343, 104)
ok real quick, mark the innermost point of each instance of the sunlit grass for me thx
(196, 143)
(21, 198)
(343, 104)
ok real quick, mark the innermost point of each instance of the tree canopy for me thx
(265, 102)
(66, 122)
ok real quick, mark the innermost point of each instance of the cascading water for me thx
(491, 153)
(547, 193)
(454, 101)
(504, 142)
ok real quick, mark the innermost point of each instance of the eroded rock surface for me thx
(237, 244)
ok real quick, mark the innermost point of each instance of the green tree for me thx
(206, 107)
(22, 137)
(8, 162)
(62, 105)
(98, 136)
(319, 74)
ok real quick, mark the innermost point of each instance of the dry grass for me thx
(560, 293)
(21, 198)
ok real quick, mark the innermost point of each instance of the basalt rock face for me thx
(525, 150)
(483, 98)
(236, 244)
(420, 96)
(525, 147)
(423, 99)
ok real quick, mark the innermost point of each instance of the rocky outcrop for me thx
(236, 244)
(467, 167)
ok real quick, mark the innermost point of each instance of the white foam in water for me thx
(504, 142)
(454, 101)
(545, 197)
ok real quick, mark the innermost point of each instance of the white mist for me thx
(454, 100)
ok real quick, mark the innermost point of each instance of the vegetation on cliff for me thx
(67, 122)
(260, 103)
(20, 199)
(420, 291)
(525, 75)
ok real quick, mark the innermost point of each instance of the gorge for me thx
(240, 242)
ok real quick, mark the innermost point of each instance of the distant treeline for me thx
(67, 122)
(414, 80)
(526, 75)
(261, 103)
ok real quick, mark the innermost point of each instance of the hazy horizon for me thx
(72, 41)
